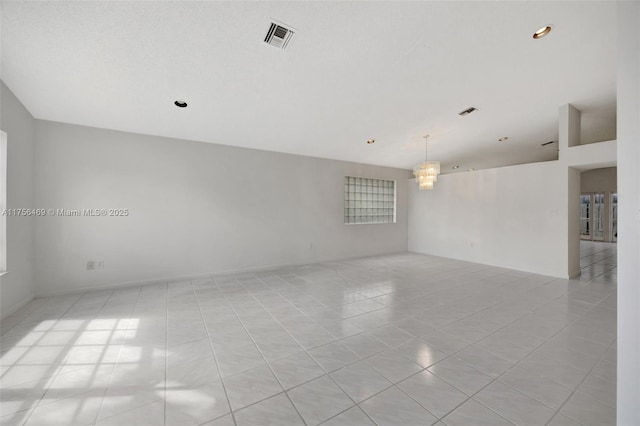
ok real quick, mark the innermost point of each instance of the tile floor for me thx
(392, 340)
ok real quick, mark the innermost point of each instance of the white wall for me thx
(522, 217)
(17, 287)
(573, 221)
(629, 213)
(513, 217)
(196, 208)
(599, 180)
(591, 156)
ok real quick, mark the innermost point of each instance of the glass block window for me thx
(369, 200)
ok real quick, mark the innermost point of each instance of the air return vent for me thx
(468, 111)
(278, 36)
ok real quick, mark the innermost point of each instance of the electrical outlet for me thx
(100, 264)
(91, 265)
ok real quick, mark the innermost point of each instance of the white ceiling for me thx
(391, 71)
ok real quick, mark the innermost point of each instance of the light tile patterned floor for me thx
(391, 340)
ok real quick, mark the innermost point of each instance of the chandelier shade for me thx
(426, 173)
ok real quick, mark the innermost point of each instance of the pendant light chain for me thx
(426, 145)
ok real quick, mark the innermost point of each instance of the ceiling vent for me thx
(278, 36)
(467, 111)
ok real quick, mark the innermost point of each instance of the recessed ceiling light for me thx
(542, 32)
(470, 170)
(504, 138)
(455, 167)
(180, 103)
(370, 141)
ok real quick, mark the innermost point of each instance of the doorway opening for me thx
(599, 205)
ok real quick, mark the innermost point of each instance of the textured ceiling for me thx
(391, 71)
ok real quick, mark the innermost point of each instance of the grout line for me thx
(263, 356)
(394, 384)
(309, 355)
(166, 352)
(541, 374)
(350, 283)
(517, 363)
(97, 418)
(93, 374)
(213, 351)
(60, 365)
(350, 408)
(575, 389)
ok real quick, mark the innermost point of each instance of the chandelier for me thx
(426, 173)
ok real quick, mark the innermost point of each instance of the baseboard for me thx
(14, 308)
(496, 265)
(64, 292)
(121, 285)
(574, 274)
